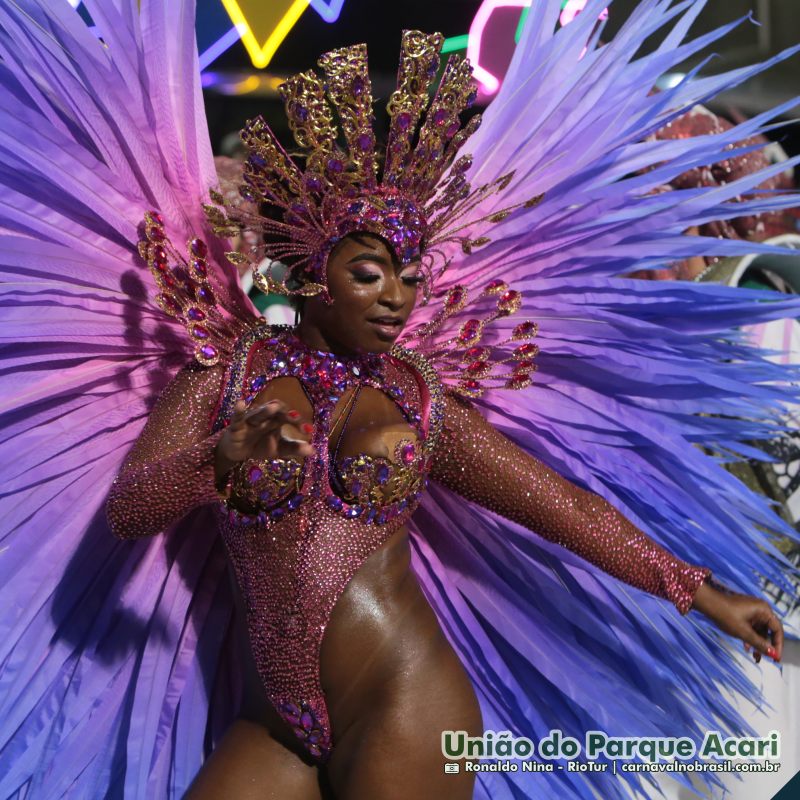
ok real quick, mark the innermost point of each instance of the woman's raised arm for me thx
(475, 460)
(170, 469)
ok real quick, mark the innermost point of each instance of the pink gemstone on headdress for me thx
(205, 295)
(195, 314)
(198, 248)
(475, 352)
(526, 328)
(160, 257)
(472, 385)
(209, 351)
(526, 349)
(172, 303)
(169, 280)
(510, 296)
(519, 381)
(199, 332)
(454, 297)
(495, 284)
(156, 217)
(453, 129)
(156, 234)
(522, 366)
(477, 366)
(200, 267)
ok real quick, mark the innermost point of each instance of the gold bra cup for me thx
(379, 480)
(265, 483)
(363, 479)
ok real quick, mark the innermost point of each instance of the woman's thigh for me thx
(394, 750)
(249, 764)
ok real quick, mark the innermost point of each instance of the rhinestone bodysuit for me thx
(307, 526)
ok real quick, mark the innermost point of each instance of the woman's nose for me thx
(392, 294)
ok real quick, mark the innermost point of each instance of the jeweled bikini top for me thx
(374, 489)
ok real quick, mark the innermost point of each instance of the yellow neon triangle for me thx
(260, 21)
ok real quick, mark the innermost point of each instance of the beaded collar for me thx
(325, 376)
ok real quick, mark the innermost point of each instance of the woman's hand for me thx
(263, 431)
(748, 618)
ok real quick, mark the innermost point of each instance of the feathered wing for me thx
(109, 651)
(643, 390)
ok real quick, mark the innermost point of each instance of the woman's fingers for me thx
(764, 633)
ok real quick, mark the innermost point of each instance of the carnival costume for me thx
(117, 673)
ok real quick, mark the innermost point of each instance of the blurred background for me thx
(249, 46)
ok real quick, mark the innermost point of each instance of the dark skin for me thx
(392, 681)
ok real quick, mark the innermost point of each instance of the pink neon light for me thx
(491, 83)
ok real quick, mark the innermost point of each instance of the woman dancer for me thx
(141, 678)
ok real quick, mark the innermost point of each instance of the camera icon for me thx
(450, 767)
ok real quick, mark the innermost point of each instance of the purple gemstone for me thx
(315, 736)
(453, 129)
(364, 142)
(208, 351)
(254, 474)
(334, 502)
(195, 314)
(258, 383)
(160, 257)
(407, 453)
(306, 720)
(258, 160)
(200, 267)
(471, 98)
(198, 247)
(205, 294)
(403, 120)
(356, 487)
(157, 218)
(358, 86)
(301, 112)
(440, 116)
(335, 165)
(371, 514)
(382, 517)
(277, 513)
(299, 732)
(313, 183)
(295, 502)
(382, 474)
(314, 750)
(353, 511)
(199, 332)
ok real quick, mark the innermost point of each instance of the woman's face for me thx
(373, 296)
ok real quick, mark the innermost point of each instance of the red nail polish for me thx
(772, 653)
(306, 427)
(293, 414)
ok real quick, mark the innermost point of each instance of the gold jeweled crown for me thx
(341, 187)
